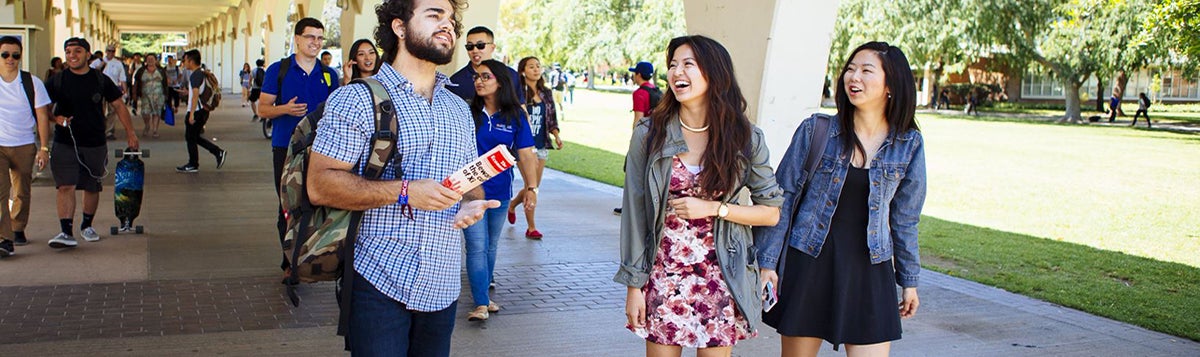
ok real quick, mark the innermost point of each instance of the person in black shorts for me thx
(79, 158)
(256, 88)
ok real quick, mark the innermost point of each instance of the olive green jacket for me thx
(643, 211)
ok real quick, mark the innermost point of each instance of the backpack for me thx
(257, 82)
(655, 97)
(319, 243)
(210, 93)
(816, 147)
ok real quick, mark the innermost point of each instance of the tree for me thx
(1072, 39)
(590, 33)
(1172, 26)
(145, 42)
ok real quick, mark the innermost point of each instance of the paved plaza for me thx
(204, 281)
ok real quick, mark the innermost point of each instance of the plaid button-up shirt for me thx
(416, 262)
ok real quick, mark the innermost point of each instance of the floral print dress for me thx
(688, 303)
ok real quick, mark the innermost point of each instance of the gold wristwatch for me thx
(723, 210)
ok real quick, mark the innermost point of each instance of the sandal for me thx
(533, 234)
(479, 314)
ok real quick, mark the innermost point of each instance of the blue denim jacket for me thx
(897, 194)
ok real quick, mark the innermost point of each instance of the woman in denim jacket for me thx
(685, 244)
(853, 237)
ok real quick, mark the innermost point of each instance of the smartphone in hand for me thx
(769, 297)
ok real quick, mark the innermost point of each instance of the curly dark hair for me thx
(403, 10)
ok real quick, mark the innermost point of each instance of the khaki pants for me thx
(16, 174)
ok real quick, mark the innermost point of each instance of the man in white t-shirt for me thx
(115, 70)
(21, 122)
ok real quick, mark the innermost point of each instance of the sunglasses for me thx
(478, 45)
(483, 76)
(14, 55)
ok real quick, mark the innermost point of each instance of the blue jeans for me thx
(482, 240)
(380, 326)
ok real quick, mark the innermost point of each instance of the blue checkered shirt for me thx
(416, 262)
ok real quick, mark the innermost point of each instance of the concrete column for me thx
(358, 21)
(237, 42)
(62, 30)
(779, 60)
(254, 38)
(278, 30)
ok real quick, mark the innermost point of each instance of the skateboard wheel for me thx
(139, 230)
(113, 230)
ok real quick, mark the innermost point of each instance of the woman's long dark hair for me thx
(356, 73)
(541, 83)
(726, 153)
(901, 106)
(506, 95)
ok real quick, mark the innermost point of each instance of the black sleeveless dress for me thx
(840, 296)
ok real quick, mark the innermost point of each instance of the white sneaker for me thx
(62, 240)
(89, 234)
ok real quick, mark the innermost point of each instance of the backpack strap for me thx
(816, 147)
(285, 64)
(383, 145)
(27, 83)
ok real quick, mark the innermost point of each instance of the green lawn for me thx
(1101, 219)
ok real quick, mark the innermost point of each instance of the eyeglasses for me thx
(483, 76)
(313, 38)
(14, 55)
(478, 45)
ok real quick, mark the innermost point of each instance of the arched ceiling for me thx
(163, 15)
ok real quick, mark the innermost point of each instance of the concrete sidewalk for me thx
(204, 280)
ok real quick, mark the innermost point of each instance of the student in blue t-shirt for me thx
(305, 86)
(499, 120)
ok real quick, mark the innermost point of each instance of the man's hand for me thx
(430, 195)
(131, 139)
(189, 119)
(471, 212)
(42, 158)
(295, 109)
(61, 120)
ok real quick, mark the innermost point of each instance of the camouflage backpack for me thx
(319, 243)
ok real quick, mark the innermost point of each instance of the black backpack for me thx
(655, 96)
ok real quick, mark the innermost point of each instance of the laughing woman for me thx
(853, 238)
(685, 243)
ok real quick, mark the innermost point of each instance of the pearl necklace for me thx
(691, 129)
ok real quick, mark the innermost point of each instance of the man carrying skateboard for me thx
(80, 154)
(23, 107)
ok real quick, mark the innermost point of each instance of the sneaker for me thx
(6, 248)
(479, 314)
(617, 211)
(187, 169)
(221, 159)
(20, 239)
(62, 240)
(89, 234)
(512, 217)
(492, 286)
(493, 307)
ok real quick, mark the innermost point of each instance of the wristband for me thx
(403, 199)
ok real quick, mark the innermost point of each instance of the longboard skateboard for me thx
(127, 198)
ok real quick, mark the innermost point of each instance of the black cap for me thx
(76, 41)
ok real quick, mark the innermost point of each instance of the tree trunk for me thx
(1122, 81)
(1100, 98)
(591, 77)
(1071, 90)
(928, 88)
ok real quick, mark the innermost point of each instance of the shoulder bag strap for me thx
(27, 82)
(816, 147)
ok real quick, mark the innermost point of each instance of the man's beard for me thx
(427, 50)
